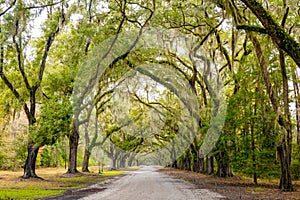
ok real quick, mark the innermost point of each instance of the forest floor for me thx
(236, 187)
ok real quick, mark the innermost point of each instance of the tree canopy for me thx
(187, 84)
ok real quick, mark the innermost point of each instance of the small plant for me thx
(295, 169)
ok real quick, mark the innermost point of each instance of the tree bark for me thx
(113, 163)
(209, 164)
(286, 178)
(286, 145)
(179, 162)
(196, 164)
(29, 168)
(224, 169)
(201, 165)
(297, 102)
(253, 155)
(131, 159)
(123, 161)
(187, 161)
(85, 164)
(194, 156)
(73, 142)
(112, 157)
(87, 152)
(253, 147)
(174, 164)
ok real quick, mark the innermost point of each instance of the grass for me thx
(54, 182)
(112, 173)
(27, 193)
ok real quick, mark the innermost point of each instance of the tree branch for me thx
(250, 28)
(275, 31)
(19, 55)
(285, 17)
(7, 9)
(265, 72)
(43, 6)
(46, 50)
(3, 76)
(150, 104)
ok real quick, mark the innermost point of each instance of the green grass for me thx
(55, 183)
(112, 173)
(82, 179)
(258, 189)
(78, 182)
(25, 193)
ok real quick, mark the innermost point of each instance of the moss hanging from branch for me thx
(275, 31)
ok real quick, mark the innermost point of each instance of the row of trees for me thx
(253, 45)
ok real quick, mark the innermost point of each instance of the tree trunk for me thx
(85, 164)
(32, 149)
(224, 169)
(297, 102)
(123, 161)
(179, 162)
(73, 142)
(201, 165)
(87, 152)
(221, 172)
(209, 164)
(173, 155)
(187, 161)
(285, 148)
(196, 164)
(113, 157)
(285, 179)
(253, 143)
(131, 159)
(197, 160)
(130, 162)
(228, 170)
(29, 168)
(253, 156)
(113, 163)
(174, 164)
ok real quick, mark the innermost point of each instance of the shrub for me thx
(295, 169)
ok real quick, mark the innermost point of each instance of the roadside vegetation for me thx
(53, 181)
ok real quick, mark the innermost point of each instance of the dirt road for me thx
(149, 184)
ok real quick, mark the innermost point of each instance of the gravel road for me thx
(149, 184)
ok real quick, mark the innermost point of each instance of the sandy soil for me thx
(150, 184)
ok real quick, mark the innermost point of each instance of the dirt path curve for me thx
(149, 184)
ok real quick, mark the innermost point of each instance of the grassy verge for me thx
(54, 182)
